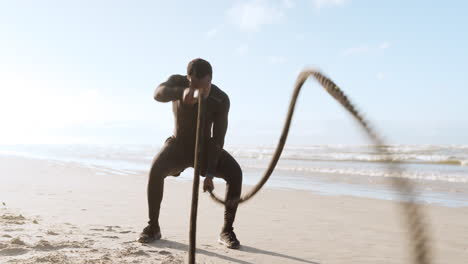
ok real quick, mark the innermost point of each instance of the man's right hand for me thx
(188, 96)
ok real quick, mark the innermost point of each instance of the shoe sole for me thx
(227, 245)
(146, 240)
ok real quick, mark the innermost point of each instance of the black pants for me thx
(174, 157)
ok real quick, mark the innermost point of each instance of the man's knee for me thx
(156, 176)
(238, 176)
(237, 173)
(158, 170)
(166, 162)
(234, 181)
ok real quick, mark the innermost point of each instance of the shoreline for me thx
(450, 194)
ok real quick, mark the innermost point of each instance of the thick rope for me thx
(196, 180)
(413, 214)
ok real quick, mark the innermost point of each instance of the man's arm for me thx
(172, 89)
(216, 143)
(220, 124)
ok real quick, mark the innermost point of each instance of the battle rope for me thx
(196, 180)
(414, 216)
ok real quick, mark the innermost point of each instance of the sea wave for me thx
(363, 160)
(444, 155)
(408, 174)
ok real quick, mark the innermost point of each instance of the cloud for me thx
(242, 49)
(318, 4)
(289, 3)
(380, 76)
(356, 50)
(211, 33)
(251, 15)
(367, 49)
(300, 36)
(385, 45)
(276, 59)
(214, 31)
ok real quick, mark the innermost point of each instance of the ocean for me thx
(440, 172)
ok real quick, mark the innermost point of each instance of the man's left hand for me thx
(208, 184)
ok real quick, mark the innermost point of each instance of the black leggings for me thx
(173, 158)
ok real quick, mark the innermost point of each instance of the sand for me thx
(62, 212)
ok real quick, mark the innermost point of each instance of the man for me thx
(177, 154)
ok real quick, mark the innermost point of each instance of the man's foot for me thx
(229, 239)
(150, 234)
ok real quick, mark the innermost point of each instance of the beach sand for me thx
(63, 212)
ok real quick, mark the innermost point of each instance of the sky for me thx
(85, 71)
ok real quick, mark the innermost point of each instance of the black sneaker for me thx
(150, 234)
(229, 239)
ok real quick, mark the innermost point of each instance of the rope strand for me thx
(413, 214)
(196, 180)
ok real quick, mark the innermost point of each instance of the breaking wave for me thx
(444, 155)
(369, 172)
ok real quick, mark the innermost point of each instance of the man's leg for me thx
(230, 171)
(169, 161)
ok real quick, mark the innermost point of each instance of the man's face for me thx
(200, 83)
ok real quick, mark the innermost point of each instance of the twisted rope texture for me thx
(410, 209)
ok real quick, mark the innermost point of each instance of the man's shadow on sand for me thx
(163, 243)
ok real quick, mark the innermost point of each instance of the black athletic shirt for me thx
(185, 116)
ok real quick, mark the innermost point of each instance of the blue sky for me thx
(85, 71)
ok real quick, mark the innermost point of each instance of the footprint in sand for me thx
(112, 237)
(13, 229)
(6, 250)
(52, 233)
(44, 245)
(112, 226)
(13, 219)
(17, 241)
(13, 251)
(52, 258)
(133, 251)
(173, 260)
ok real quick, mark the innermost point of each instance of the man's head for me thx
(199, 68)
(199, 73)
